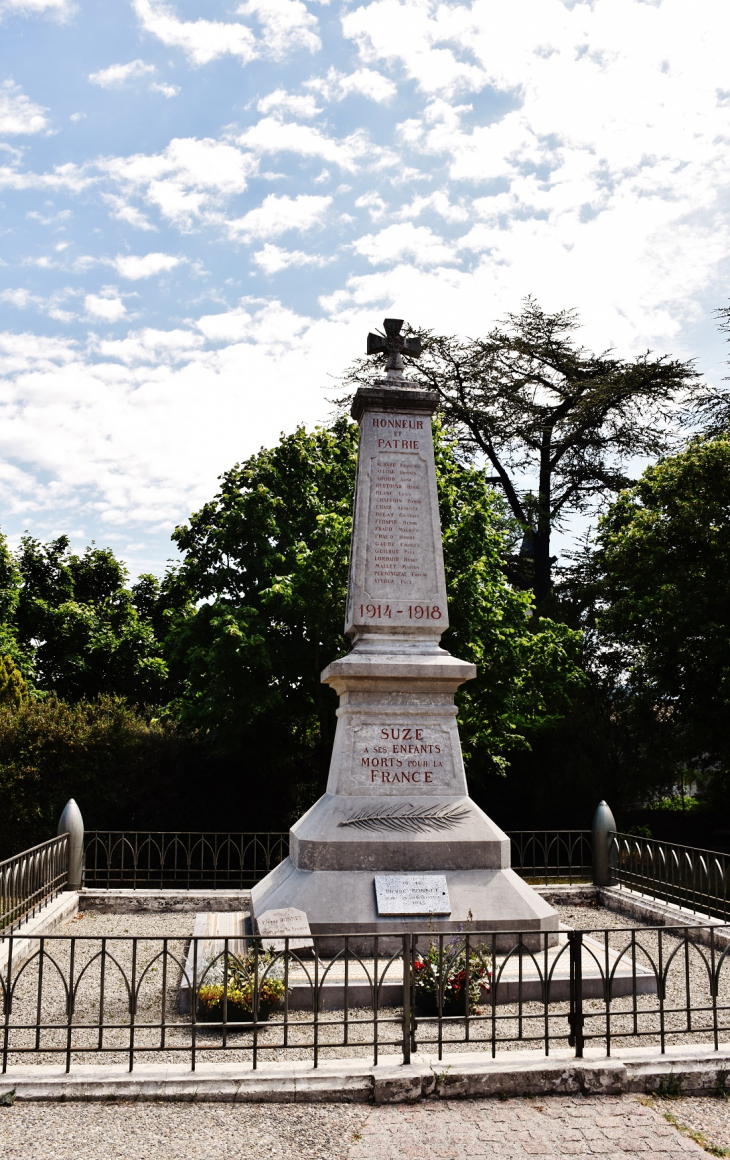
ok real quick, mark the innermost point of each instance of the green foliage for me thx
(124, 768)
(662, 580)
(528, 668)
(677, 804)
(13, 689)
(82, 626)
(653, 596)
(269, 558)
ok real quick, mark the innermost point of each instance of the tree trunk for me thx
(541, 534)
(543, 566)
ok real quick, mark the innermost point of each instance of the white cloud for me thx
(269, 326)
(366, 82)
(187, 180)
(133, 267)
(408, 33)
(150, 346)
(201, 40)
(287, 25)
(437, 202)
(297, 104)
(130, 214)
(271, 135)
(108, 308)
(398, 242)
(278, 214)
(24, 299)
(58, 9)
(68, 177)
(166, 90)
(116, 75)
(272, 259)
(373, 203)
(18, 114)
(20, 298)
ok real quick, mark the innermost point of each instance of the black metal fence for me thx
(237, 861)
(180, 860)
(119, 997)
(697, 880)
(552, 855)
(30, 879)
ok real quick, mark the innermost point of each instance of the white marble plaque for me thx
(273, 925)
(412, 894)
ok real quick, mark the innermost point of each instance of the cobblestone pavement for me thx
(453, 1130)
(555, 1126)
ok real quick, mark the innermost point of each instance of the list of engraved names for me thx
(400, 560)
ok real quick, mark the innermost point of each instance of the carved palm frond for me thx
(408, 819)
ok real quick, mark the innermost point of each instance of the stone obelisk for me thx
(396, 842)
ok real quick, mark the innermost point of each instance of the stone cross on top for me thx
(394, 345)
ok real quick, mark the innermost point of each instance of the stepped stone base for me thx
(343, 901)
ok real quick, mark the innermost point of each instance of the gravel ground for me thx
(632, 1023)
(127, 1131)
(453, 1129)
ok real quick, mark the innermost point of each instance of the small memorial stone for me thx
(412, 894)
(273, 925)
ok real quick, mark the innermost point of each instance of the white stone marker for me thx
(273, 925)
(412, 894)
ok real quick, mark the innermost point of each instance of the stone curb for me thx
(43, 922)
(458, 1076)
(162, 901)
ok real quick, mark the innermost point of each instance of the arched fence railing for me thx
(188, 860)
(30, 879)
(115, 998)
(177, 860)
(698, 880)
(552, 855)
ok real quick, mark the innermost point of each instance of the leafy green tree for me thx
(534, 403)
(657, 588)
(125, 769)
(13, 689)
(268, 559)
(76, 617)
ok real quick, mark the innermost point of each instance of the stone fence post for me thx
(72, 823)
(603, 824)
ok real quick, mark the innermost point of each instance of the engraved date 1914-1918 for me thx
(414, 611)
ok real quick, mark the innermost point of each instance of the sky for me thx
(205, 206)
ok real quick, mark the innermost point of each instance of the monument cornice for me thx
(384, 396)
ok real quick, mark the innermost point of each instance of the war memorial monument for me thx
(396, 843)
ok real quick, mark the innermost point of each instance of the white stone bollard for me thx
(72, 823)
(604, 823)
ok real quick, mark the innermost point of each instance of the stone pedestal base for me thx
(339, 902)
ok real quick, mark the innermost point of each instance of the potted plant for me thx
(250, 977)
(440, 978)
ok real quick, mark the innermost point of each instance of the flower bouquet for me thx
(244, 973)
(440, 979)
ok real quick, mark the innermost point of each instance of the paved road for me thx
(453, 1130)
